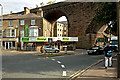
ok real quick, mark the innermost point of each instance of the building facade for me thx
(30, 31)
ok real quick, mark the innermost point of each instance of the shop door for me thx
(8, 45)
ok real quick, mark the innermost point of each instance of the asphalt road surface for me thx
(33, 66)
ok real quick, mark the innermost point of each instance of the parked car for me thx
(48, 49)
(96, 50)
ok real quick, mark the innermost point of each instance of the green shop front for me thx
(35, 43)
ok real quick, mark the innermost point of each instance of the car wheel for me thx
(56, 51)
(97, 53)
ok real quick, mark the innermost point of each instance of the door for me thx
(8, 45)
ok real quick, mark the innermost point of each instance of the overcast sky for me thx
(18, 5)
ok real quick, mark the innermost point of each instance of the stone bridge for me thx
(79, 16)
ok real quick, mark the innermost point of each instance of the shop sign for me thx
(100, 39)
(65, 39)
(25, 39)
(26, 30)
(73, 39)
(41, 39)
(32, 39)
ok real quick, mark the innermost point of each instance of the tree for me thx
(42, 4)
(36, 6)
(107, 14)
(11, 12)
(51, 2)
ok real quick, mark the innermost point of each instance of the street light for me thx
(110, 24)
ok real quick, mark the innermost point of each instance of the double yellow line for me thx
(79, 73)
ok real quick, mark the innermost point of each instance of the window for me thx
(10, 23)
(11, 33)
(0, 22)
(0, 33)
(58, 34)
(22, 33)
(22, 22)
(58, 29)
(33, 32)
(32, 22)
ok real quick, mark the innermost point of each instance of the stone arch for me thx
(52, 17)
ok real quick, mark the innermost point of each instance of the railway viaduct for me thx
(79, 16)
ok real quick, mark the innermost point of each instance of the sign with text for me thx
(41, 39)
(26, 31)
(65, 39)
(100, 39)
(25, 39)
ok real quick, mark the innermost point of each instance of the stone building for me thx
(29, 31)
(28, 24)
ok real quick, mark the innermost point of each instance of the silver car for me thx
(51, 49)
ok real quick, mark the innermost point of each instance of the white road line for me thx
(64, 73)
(47, 57)
(59, 62)
(53, 59)
(63, 66)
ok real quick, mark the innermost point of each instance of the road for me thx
(33, 66)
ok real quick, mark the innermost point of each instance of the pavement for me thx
(98, 72)
(77, 51)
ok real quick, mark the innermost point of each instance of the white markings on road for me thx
(64, 73)
(59, 62)
(47, 57)
(63, 66)
(53, 59)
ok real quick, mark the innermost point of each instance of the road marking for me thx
(53, 59)
(64, 73)
(47, 57)
(63, 66)
(78, 73)
(59, 62)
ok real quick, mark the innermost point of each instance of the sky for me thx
(18, 5)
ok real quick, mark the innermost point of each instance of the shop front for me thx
(35, 43)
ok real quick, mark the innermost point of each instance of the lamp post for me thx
(118, 27)
(110, 24)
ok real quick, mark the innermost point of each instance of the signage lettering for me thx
(41, 38)
(25, 39)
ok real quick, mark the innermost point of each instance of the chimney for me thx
(26, 10)
(40, 12)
